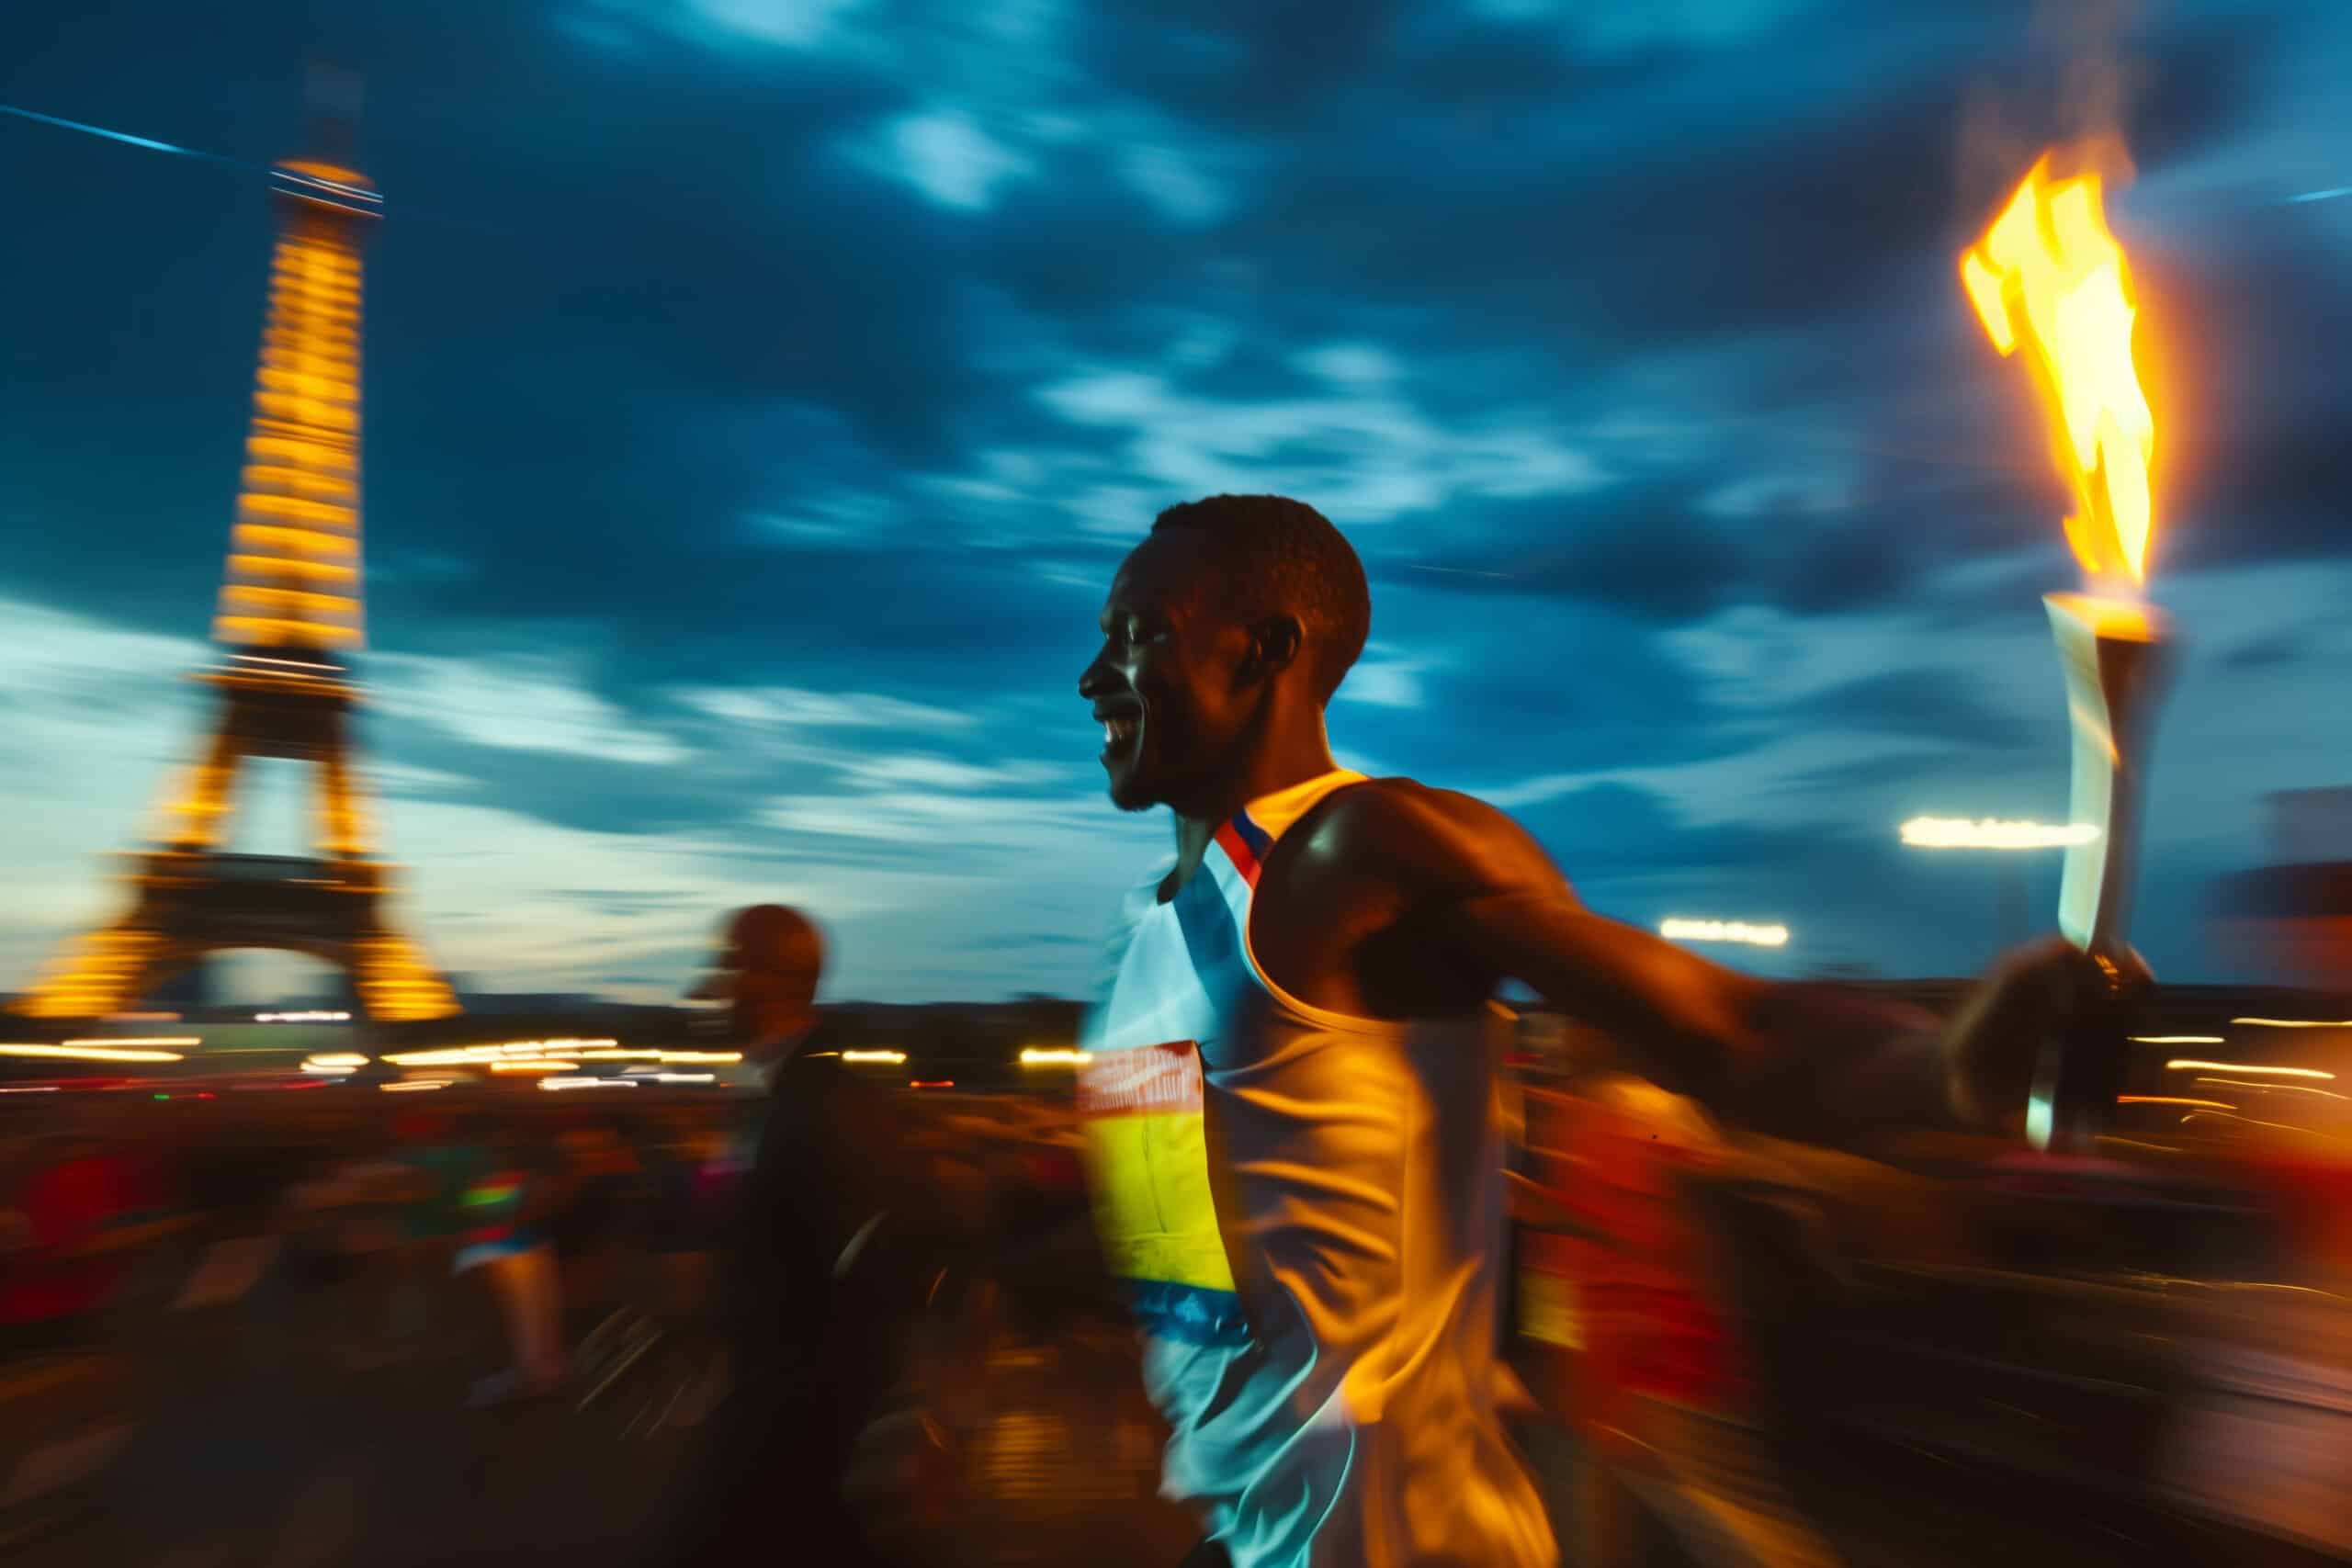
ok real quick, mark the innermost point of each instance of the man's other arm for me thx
(1809, 1061)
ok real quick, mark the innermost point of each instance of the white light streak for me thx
(1675, 929)
(1990, 833)
(561, 1083)
(1042, 1057)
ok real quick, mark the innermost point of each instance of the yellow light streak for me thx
(893, 1056)
(2177, 1040)
(2183, 1065)
(2294, 1022)
(1040, 1056)
(141, 1039)
(2276, 1087)
(89, 1053)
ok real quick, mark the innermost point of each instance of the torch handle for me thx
(2080, 1070)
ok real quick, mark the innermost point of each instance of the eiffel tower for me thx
(289, 619)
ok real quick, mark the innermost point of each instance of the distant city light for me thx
(336, 1059)
(1679, 930)
(891, 1057)
(684, 1078)
(414, 1086)
(560, 1084)
(1987, 833)
(90, 1051)
(112, 1042)
(301, 1018)
(2276, 1087)
(2184, 1064)
(1042, 1057)
(476, 1055)
(534, 1064)
(931, 1083)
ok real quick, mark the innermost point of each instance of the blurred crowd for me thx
(495, 1249)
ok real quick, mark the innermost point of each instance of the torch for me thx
(2050, 278)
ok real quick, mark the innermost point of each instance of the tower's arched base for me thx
(190, 905)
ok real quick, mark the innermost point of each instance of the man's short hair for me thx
(1282, 557)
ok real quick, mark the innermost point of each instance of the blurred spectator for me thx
(506, 1203)
(811, 1299)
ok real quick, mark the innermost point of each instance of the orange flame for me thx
(2048, 274)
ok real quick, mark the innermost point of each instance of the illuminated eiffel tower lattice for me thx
(289, 618)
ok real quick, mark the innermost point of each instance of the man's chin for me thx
(1131, 794)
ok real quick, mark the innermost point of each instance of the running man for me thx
(1291, 1110)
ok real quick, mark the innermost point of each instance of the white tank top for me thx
(1307, 1208)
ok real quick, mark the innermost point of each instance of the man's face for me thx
(1166, 687)
(765, 1010)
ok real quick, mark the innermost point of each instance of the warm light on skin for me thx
(1987, 833)
(1679, 930)
(2184, 1064)
(2049, 276)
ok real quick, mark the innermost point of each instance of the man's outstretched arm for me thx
(1800, 1060)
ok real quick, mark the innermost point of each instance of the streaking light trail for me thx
(1675, 929)
(149, 143)
(1960, 833)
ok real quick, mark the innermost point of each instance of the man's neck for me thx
(1271, 770)
(775, 1046)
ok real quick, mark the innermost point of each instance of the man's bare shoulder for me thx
(1431, 836)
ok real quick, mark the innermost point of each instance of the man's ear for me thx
(1274, 643)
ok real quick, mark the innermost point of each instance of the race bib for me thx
(1149, 1181)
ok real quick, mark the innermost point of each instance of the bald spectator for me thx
(813, 1293)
